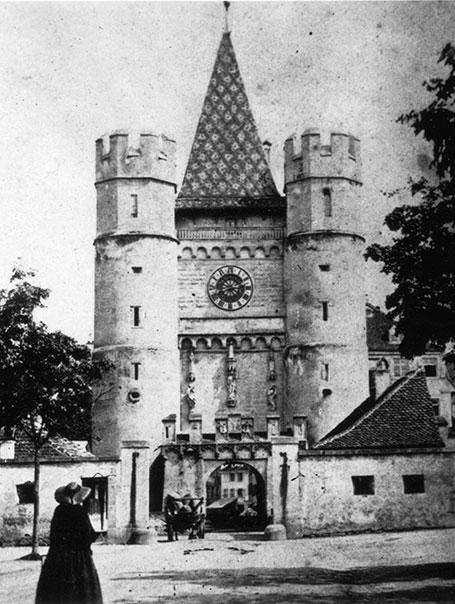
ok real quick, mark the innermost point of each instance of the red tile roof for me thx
(401, 417)
(227, 166)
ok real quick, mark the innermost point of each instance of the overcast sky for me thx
(71, 72)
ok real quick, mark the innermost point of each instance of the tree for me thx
(421, 258)
(44, 376)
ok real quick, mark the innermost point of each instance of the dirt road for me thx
(389, 567)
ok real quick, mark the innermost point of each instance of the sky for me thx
(73, 71)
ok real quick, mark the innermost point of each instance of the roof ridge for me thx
(376, 404)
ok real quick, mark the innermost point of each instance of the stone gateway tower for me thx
(326, 353)
(234, 316)
(136, 316)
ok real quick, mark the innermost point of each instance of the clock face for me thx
(230, 288)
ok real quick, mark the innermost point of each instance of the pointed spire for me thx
(226, 20)
(227, 166)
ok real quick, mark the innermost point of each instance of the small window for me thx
(431, 367)
(351, 146)
(230, 222)
(232, 477)
(401, 367)
(240, 476)
(324, 268)
(239, 492)
(232, 492)
(325, 372)
(137, 269)
(136, 315)
(363, 485)
(25, 492)
(327, 202)
(325, 311)
(134, 206)
(435, 403)
(225, 493)
(413, 483)
(136, 367)
(326, 392)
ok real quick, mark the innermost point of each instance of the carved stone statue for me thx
(271, 397)
(191, 396)
(231, 391)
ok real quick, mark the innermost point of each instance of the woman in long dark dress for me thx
(68, 575)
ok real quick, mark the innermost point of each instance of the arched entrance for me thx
(236, 498)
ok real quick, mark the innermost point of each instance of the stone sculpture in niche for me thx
(271, 397)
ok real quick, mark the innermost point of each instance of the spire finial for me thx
(226, 22)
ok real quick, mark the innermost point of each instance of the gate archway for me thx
(236, 498)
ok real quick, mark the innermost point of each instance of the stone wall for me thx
(16, 518)
(328, 505)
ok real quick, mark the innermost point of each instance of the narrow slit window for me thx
(134, 206)
(325, 311)
(137, 269)
(325, 372)
(324, 268)
(327, 202)
(136, 368)
(136, 313)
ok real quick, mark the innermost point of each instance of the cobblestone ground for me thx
(384, 568)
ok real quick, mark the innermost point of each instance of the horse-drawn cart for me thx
(184, 514)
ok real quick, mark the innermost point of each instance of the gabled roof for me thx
(56, 449)
(227, 166)
(401, 417)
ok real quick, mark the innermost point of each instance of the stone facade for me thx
(235, 321)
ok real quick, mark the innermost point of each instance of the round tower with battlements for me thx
(136, 315)
(326, 354)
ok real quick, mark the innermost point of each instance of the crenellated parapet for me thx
(311, 159)
(147, 156)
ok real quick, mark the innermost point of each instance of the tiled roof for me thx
(401, 417)
(57, 448)
(227, 166)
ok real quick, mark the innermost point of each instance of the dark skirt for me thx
(69, 577)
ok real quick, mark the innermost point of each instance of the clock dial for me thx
(230, 288)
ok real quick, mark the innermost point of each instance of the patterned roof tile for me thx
(227, 133)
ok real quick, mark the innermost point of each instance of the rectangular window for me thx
(225, 493)
(137, 269)
(134, 206)
(239, 492)
(325, 311)
(232, 492)
(136, 367)
(136, 315)
(26, 492)
(232, 477)
(240, 476)
(325, 372)
(401, 367)
(435, 403)
(324, 268)
(327, 202)
(363, 485)
(413, 483)
(431, 367)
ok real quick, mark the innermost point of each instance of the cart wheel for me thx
(170, 532)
